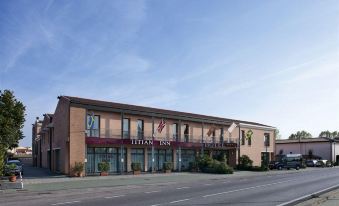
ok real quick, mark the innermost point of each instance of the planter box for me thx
(12, 178)
(136, 172)
(103, 173)
(168, 171)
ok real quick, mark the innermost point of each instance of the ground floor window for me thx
(112, 155)
(160, 157)
(138, 155)
(187, 156)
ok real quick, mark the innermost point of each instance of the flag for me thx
(232, 127)
(210, 131)
(161, 126)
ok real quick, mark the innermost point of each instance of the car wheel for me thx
(297, 168)
(288, 168)
(279, 168)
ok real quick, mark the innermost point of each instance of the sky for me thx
(272, 62)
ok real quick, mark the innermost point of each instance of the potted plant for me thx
(103, 168)
(136, 167)
(78, 169)
(167, 166)
(11, 172)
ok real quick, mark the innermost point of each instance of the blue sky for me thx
(274, 62)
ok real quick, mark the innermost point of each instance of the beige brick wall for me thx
(257, 147)
(61, 137)
(77, 142)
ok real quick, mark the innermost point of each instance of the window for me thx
(92, 125)
(140, 129)
(249, 141)
(221, 134)
(267, 139)
(213, 136)
(126, 131)
(175, 131)
(186, 133)
(242, 137)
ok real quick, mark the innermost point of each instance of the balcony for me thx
(147, 135)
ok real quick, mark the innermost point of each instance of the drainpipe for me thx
(239, 145)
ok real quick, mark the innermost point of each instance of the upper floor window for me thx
(243, 137)
(92, 125)
(221, 134)
(126, 128)
(267, 139)
(140, 128)
(175, 131)
(186, 133)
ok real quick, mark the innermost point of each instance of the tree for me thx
(329, 134)
(300, 135)
(12, 118)
(277, 134)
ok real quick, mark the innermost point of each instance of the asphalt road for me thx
(273, 189)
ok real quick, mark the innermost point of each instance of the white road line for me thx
(66, 203)
(180, 188)
(114, 196)
(156, 205)
(247, 188)
(207, 184)
(151, 192)
(226, 182)
(307, 196)
(178, 201)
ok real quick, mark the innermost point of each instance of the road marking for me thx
(156, 205)
(226, 182)
(114, 196)
(180, 188)
(65, 203)
(208, 184)
(178, 201)
(305, 197)
(151, 192)
(247, 188)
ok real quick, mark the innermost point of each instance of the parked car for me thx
(311, 163)
(321, 163)
(275, 165)
(17, 169)
(295, 161)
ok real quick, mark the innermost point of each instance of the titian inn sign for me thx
(149, 142)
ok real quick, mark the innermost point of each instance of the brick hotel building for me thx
(90, 131)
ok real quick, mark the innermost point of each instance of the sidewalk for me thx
(327, 199)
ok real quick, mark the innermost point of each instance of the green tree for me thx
(12, 118)
(300, 135)
(277, 134)
(329, 134)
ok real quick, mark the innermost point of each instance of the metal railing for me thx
(147, 135)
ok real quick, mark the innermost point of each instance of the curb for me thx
(309, 196)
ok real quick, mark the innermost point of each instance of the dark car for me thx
(311, 163)
(17, 169)
(275, 165)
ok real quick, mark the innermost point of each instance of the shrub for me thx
(10, 169)
(103, 166)
(245, 162)
(204, 162)
(167, 166)
(218, 168)
(136, 166)
(78, 168)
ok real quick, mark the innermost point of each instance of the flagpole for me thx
(152, 144)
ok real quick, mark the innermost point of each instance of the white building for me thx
(325, 148)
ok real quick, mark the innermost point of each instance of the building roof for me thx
(306, 140)
(106, 104)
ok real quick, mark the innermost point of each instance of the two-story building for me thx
(92, 131)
